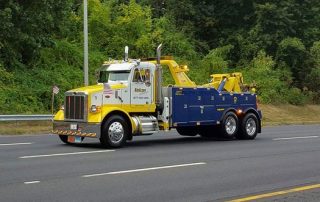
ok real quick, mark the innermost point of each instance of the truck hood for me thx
(98, 88)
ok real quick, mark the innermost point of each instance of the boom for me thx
(178, 72)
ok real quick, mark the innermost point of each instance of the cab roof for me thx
(121, 67)
(127, 66)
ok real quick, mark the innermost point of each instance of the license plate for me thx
(73, 126)
(74, 139)
(71, 139)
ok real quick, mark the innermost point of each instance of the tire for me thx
(64, 139)
(229, 126)
(187, 131)
(115, 132)
(249, 127)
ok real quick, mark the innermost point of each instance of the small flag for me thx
(55, 89)
(107, 89)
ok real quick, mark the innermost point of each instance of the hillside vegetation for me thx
(276, 44)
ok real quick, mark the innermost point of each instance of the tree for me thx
(26, 26)
(292, 53)
(313, 78)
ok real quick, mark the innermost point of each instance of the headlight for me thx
(95, 109)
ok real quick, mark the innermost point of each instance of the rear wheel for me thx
(229, 125)
(249, 127)
(187, 131)
(115, 132)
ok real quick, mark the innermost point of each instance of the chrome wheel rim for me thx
(251, 126)
(231, 125)
(115, 132)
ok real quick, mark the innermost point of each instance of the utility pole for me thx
(85, 33)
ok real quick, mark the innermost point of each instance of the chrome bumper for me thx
(83, 129)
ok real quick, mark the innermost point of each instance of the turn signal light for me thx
(95, 109)
(239, 111)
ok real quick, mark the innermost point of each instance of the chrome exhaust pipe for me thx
(159, 53)
(126, 53)
(158, 77)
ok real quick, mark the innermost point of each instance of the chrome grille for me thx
(75, 107)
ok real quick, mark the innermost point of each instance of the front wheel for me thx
(114, 132)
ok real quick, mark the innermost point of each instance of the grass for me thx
(290, 114)
(272, 115)
(26, 127)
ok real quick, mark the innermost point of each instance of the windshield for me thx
(111, 77)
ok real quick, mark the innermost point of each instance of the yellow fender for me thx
(107, 110)
(59, 116)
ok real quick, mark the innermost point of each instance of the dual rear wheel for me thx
(231, 127)
(249, 127)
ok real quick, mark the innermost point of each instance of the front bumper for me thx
(83, 129)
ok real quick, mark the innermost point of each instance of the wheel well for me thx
(254, 112)
(228, 110)
(122, 114)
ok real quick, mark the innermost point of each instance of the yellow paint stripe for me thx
(277, 193)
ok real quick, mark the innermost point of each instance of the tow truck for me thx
(130, 100)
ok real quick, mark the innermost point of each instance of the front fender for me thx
(59, 116)
(109, 110)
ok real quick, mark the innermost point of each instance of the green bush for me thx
(296, 97)
(216, 61)
(272, 87)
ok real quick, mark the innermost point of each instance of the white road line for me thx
(31, 182)
(65, 154)
(145, 169)
(292, 138)
(19, 143)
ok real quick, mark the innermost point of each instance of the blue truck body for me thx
(207, 106)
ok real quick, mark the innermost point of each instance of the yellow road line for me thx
(277, 193)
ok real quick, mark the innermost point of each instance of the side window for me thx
(137, 76)
(142, 75)
(147, 77)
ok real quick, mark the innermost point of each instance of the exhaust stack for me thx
(158, 76)
(126, 53)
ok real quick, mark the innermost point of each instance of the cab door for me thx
(141, 88)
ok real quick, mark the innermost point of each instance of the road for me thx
(164, 167)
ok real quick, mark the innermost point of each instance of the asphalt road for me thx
(162, 167)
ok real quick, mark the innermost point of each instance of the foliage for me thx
(270, 88)
(217, 60)
(26, 26)
(291, 53)
(276, 44)
(312, 80)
